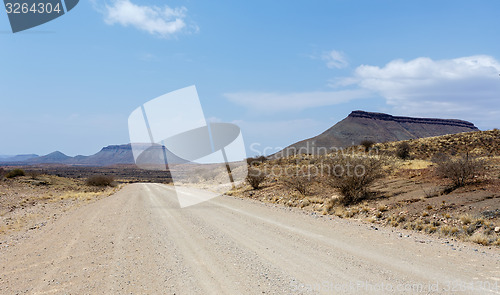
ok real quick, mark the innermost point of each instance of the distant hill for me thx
(110, 155)
(352, 130)
(55, 157)
(17, 158)
(107, 156)
(377, 127)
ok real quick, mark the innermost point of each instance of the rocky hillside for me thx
(377, 127)
(478, 143)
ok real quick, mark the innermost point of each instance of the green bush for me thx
(15, 173)
(100, 180)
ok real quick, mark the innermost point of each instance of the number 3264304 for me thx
(33, 8)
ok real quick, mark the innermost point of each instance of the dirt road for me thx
(140, 242)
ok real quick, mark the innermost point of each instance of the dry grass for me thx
(298, 182)
(415, 164)
(382, 208)
(409, 196)
(480, 238)
(477, 143)
(28, 203)
(466, 219)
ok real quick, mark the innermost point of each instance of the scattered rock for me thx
(491, 213)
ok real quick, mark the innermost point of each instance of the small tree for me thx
(403, 151)
(2, 172)
(33, 174)
(353, 176)
(460, 170)
(255, 177)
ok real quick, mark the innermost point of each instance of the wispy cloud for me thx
(272, 102)
(335, 59)
(160, 21)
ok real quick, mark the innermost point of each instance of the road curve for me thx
(139, 241)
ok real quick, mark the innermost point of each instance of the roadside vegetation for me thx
(255, 178)
(15, 173)
(29, 198)
(100, 180)
(461, 170)
(447, 186)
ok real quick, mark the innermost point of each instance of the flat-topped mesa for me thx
(117, 147)
(401, 119)
(376, 127)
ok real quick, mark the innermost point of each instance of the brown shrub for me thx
(33, 174)
(253, 161)
(100, 180)
(15, 173)
(357, 174)
(460, 170)
(255, 177)
(367, 144)
(403, 151)
(301, 183)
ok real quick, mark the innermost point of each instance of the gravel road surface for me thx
(139, 241)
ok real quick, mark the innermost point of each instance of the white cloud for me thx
(467, 87)
(271, 102)
(335, 59)
(161, 21)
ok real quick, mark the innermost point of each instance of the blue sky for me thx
(282, 70)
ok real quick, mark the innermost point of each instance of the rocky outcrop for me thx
(377, 127)
(387, 117)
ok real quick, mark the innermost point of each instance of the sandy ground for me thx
(139, 241)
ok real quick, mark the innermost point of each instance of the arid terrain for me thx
(28, 203)
(411, 195)
(138, 241)
(413, 232)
